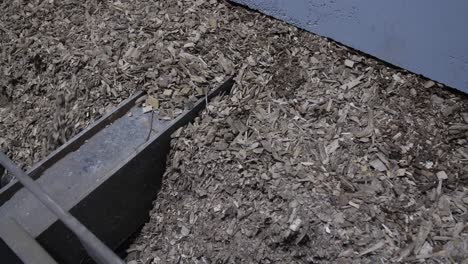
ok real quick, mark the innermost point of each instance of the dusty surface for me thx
(320, 155)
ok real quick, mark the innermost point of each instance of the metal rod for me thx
(26, 248)
(95, 247)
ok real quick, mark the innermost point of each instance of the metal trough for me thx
(107, 177)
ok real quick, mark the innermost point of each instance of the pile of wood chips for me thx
(320, 154)
(63, 64)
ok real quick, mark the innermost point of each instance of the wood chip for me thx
(349, 63)
(356, 58)
(153, 102)
(424, 231)
(378, 165)
(429, 84)
(167, 92)
(441, 175)
(373, 248)
(353, 83)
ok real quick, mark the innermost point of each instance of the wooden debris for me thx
(378, 165)
(328, 163)
(429, 84)
(349, 63)
(356, 58)
(373, 248)
(153, 102)
(353, 152)
(424, 230)
(353, 83)
(465, 117)
(167, 92)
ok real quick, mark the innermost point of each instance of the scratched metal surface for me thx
(427, 37)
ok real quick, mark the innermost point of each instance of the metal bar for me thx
(74, 143)
(24, 246)
(96, 249)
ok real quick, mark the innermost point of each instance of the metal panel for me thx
(427, 37)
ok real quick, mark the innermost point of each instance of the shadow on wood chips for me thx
(320, 155)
